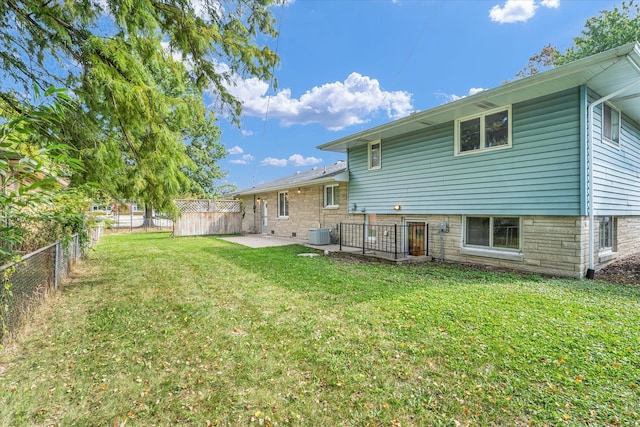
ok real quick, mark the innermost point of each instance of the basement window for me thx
(607, 233)
(493, 236)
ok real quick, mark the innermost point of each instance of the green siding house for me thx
(540, 174)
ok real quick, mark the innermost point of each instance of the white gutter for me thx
(341, 177)
(590, 139)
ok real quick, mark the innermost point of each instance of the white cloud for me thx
(475, 90)
(235, 150)
(270, 161)
(334, 105)
(245, 132)
(203, 8)
(299, 160)
(294, 160)
(244, 160)
(519, 10)
(453, 97)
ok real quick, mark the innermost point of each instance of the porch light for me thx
(396, 208)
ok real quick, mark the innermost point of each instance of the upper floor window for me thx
(331, 196)
(375, 155)
(610, 124)
(494, 232)
(488, 131)
(283, 204)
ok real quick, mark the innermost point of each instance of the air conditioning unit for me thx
(319, 236)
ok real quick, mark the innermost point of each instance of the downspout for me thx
(590, 139)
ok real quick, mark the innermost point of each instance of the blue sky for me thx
(348, 65)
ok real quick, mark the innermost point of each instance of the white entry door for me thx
(263, 215)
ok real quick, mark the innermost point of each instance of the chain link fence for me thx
(26, 282)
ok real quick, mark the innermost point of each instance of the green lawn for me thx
(198, 331)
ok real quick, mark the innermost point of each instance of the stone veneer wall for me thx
(627, 235)
(627, 240)
(552, 245)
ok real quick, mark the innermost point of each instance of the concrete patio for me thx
(266, 240)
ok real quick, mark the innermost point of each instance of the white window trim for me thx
(492, 251)
(608, 250)
(604, 139)
(379, 142)
(286, 193)
(505, 254)
(483, 149)
(334, 205)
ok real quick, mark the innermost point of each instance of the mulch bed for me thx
(624, 272)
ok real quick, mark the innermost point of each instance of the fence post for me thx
(395, 240)
(340, 237)
(364, 238)
(426, 238)
(56, 261)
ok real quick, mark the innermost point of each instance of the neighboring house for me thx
(540, 174)
(291, 206)
(8, 180)
(18, 171)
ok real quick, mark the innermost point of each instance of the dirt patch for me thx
(625, 271)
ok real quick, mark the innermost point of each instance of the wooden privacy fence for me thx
(208, 217)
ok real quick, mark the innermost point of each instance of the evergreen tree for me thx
(139, 71)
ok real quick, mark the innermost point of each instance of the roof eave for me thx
(449, 111)
(341, 177)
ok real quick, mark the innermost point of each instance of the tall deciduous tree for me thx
(612, 28)
(139, 70)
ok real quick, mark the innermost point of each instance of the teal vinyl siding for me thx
(616, 171)
(539, 175)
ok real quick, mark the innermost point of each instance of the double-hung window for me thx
(607, 233)
(375, 155)
(331, 196)
(610, 124)
(493, 232)
(283, 204)
(490, 130)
